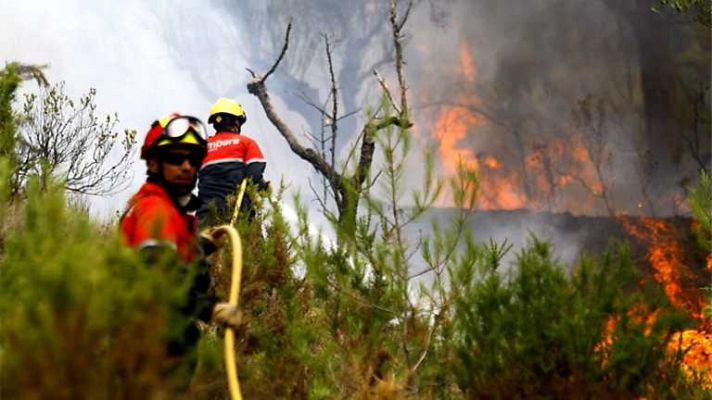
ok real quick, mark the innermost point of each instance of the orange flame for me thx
(467, 63)
(696, 348)
(557, 175)
(492, 163)
(561, 167)
(665, 255)
(452, 126)
(561, 173)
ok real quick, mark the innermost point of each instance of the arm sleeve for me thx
(255, 163)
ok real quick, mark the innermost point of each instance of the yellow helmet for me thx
(226, 106)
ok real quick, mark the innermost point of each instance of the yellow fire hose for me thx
(236, 245)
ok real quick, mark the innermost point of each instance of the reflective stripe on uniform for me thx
(223, 160)
(156, 243)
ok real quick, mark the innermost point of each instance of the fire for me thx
(501, 187)
(665, 255)
(466, 62)
(558, 175)
(562, 168)
(452, 126)
(501, 192)
(492, 163)
(696, 348)
(581, 154)
(561, 174)
(637, 314)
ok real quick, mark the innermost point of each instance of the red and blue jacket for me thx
(231, 158)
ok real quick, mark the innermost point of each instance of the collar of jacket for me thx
(227, 133)
(154, 188)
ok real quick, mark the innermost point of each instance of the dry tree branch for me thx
(320, 198)
(387, 91)
(397, 36)
(346, 190)
(424, 353)
(334, 101)
(405, 15)
(354, 112)
(279, 59)
(311, 103)
(360, 301)
(257, 87)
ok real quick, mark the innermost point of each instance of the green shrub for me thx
(82, 316)
(539, 333)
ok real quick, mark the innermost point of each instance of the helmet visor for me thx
(180, 126)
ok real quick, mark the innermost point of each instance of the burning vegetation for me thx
(554, 175)
(353, 320)
(575, 172)
(676, 271)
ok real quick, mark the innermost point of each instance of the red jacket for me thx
(229, 147)
(153, 219)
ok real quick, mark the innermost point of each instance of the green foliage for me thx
(364, 317)
(9, 82)
(90, 320)
(541, 334)
(82, 316)
(700, 202)
(700, 9)
(10, 78)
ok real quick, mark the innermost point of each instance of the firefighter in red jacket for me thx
(157, 220)
(231, 158)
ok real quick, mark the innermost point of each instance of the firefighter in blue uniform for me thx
(231, 158)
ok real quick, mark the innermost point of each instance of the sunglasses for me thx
(177, 159)
(179, 127)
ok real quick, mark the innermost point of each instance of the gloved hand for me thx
(265, 186)
(206, 244)
(227, 315)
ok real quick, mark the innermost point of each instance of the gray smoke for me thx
(544, 71)
(549, 77)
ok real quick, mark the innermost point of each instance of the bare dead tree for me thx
(346, 188)
(66, 139)
(329, 120)
(698, 140)
(549, 193)
(334, 94)
(590, 115)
